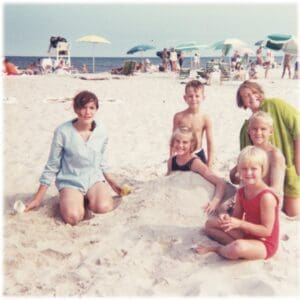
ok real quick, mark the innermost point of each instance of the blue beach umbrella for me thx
(189, 47)
(140, 48)
(279, 37)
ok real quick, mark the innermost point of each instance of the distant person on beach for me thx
(287, 65)
(268, 63)
(84, 69)
(196, 61)
(252, 71)
(259, 59)
(165, 57)
(286, 137)
(77, 162)
(180, 59)
(194, 118)
(296, 70)
(252, 232)
(184, 143)
(173, 60)
(10, 68)
(260, 129)
(239, 73)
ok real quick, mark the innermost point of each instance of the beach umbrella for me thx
(285, 42)
(269, 44)
(140, 48)
(261, 43)
(291, 47)
(189, 47)
(227, 44)
(279, 37)
(93, 39)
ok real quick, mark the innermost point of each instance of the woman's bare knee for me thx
(72, 219)
(101, 206)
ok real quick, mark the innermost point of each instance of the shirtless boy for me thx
(194, 118)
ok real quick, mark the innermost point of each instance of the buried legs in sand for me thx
(71, 202)
(232, 245)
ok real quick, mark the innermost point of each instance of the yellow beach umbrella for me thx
(93, 39)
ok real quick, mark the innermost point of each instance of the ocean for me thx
(105, 64)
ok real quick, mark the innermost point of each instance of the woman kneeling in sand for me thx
(77, 162)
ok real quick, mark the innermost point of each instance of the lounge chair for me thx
(184, 73)
(225, 72)
(127, 69)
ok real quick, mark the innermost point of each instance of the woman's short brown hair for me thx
(250, 85)
(84, 97)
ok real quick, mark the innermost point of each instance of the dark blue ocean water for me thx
(104, 64)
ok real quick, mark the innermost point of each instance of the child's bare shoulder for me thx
(180, 115)
(276, 156)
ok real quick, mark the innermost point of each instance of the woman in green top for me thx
(286, 137)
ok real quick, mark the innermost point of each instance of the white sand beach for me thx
(143, 247)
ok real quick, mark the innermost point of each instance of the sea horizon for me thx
(106, 63)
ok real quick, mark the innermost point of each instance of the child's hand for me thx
(210, 207)
(31, 205)
(116, 187)
(229, 223)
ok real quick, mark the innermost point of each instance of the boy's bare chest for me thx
(195, 122)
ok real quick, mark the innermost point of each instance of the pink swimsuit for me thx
(252, 214)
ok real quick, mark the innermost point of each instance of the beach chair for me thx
(225, 74)
(184, 73)
(128, 68)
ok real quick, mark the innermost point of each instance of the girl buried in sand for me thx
(252, 231)
(183, 141)
(77, 162)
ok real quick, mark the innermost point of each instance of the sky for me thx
(28, 26)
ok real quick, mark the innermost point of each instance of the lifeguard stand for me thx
(63, 52)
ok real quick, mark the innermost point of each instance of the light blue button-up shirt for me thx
(74, 162)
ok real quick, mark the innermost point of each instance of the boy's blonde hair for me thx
(187, 132)
(252, 154)
(194, 84)
(252, 86)
(262, 115)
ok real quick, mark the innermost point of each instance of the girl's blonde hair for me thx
(262, 115)
(252, 154)
(255, 87)
(187, 132)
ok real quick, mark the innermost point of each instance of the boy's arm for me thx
(175, 125)
(209, 141)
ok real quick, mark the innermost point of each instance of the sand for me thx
(143, 247)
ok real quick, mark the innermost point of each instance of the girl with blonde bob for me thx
(184, 142)
(260, 130)
(252, 232)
